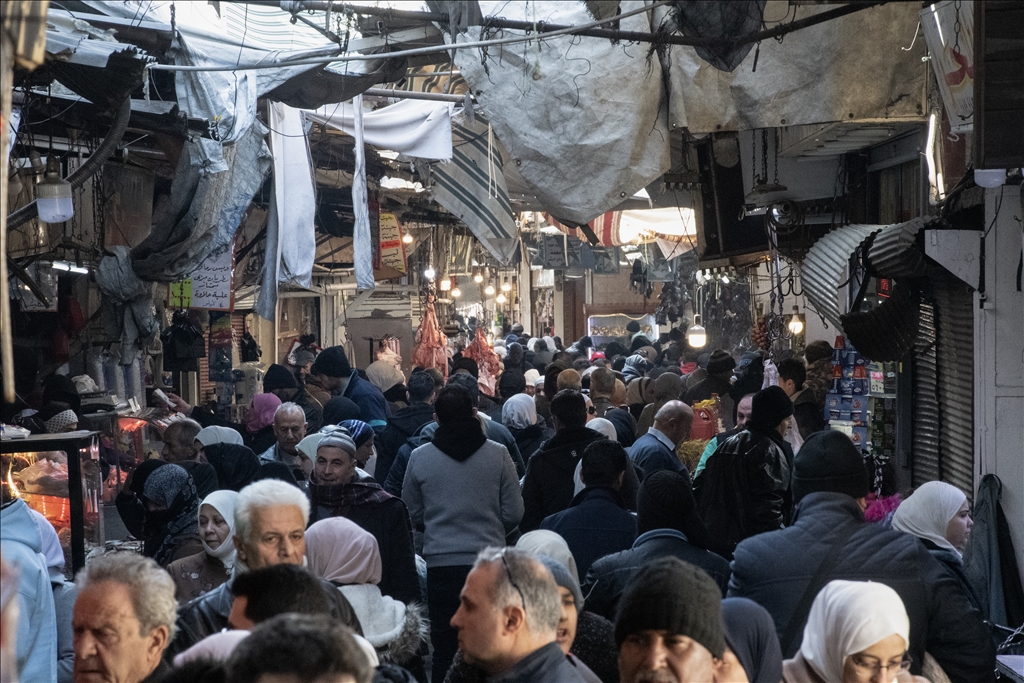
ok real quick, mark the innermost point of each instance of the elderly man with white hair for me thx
(289, 430)
(270, 528)
(123, 620)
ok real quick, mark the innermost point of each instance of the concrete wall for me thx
(999, 361)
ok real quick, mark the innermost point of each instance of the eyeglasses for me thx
(508, 573)
(870, 667)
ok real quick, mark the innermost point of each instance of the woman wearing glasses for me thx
(857, 632)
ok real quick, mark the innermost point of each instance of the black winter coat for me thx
(548, 486)
(609, 576)
(595, 524)
(744, 487)
(400, 427)
(530, 439)
(774, 570)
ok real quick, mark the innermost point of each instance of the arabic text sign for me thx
(208, 287)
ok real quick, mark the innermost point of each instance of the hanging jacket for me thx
(183, 343)
(990, 563)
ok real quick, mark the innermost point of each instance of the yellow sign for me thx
(180, 294)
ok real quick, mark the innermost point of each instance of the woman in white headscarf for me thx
(857, 632)
(939, 515)
(519, 415)
(202, 572)
(544, 542)
(389, 380)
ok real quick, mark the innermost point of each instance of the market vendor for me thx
(58, 418)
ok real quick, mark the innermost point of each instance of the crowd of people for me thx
(363, 525)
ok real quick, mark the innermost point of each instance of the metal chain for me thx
(776, 141)
(956, 28)
(764, 155)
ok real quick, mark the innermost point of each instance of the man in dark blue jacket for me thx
(656, 450)
(669, 526)
(783, 570)
(597, 522)
(334, 373)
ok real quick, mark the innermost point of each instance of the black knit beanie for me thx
(674, 596)
(828, 461)
(720, 362)
(332, 362)
(664, 501)
(768, 409)
(279, 377)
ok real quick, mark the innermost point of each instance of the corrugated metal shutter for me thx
(955, 331)
(926, 420)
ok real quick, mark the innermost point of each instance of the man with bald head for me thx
(656, 450)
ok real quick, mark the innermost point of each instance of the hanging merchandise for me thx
(248, 349)
(486, 359)
(183, 344)
(429, 351)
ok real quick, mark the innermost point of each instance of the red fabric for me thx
(430, 342)
(605, 226)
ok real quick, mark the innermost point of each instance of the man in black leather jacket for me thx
(270, 526)
(783, 570)
(744, 488)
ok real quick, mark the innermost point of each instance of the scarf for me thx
(848, 617)
(57, 423)
(750, 633)
(261, 414)
(926, 513)
(384, 375)
(224, 503)
(342, 552)
(459, 439)
(519, 411)
(544, 542)
(171, 487)
(236, 465)
(217, 434)
(339, 498)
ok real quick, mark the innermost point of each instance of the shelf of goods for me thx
(606, 328)
(59, 476)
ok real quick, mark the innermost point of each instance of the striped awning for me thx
(473, 188)
(617, 228)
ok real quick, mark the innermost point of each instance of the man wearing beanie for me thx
(668, 525)
(744, 488)
(783, 570)
(669, 625)
(280, 381)
(332, 371)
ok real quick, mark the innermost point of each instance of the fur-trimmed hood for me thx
(395, 630)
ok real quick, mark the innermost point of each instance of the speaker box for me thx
(720, 231)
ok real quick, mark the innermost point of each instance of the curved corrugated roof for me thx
(825, 268)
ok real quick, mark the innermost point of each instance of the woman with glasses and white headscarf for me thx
(857, 632)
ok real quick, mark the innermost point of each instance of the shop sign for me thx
(208, 287)
(392, 250)
(606, 260)
(554, 252)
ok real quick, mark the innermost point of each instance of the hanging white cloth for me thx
(291, 233)
(415, 128)
(361, 247)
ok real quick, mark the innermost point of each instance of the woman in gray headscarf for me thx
(519, 415)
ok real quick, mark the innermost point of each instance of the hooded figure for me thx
(519, 415)
(750, 634)
(236, 465)
(343, 553)
(64, 595)
(204, 571)
(389, 380)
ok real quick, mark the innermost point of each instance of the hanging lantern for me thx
(505, 286)
(489, 290)
(696, 336)
(446, 284)
(53, 195)
(501, 299)
(478, 277)
(456, 292)
(407, 237)
(430, 273)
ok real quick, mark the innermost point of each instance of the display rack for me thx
(74, 507)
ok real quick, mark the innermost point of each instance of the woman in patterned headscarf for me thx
(171, 509)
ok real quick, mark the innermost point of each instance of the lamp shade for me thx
(53, 195)
(696, 335)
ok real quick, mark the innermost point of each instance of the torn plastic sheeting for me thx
(78, 48)
(583, 118)
(473, 188)
(415, 128)
(204, 210)
(128, 311)
(292, 209)
(846, 69)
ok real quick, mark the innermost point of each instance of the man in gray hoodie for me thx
(463, 492)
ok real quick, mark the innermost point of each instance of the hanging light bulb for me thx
(53, 195)
(725, 279)
(446, 284)
(407, 237)
(501, 299)
(489, 289)
(696, 336)
(430, 273)
(796, 323)
(478, 277)
(505, 286)
(456, 292)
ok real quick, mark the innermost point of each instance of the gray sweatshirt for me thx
(462, 507)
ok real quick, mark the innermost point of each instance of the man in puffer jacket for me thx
(784, 570)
